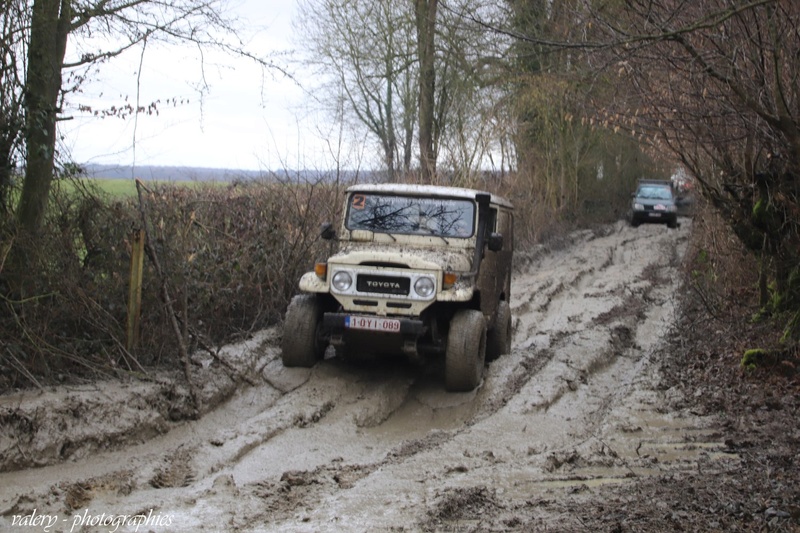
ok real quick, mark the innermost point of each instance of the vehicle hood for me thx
(452, 260)
(650, 202)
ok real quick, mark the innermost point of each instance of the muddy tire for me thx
(301, 344)
(498, 339)
(466, 351)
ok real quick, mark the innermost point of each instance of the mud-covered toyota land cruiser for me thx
(421, 271)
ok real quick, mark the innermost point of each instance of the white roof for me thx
(426, 190)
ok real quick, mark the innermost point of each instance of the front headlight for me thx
(342, 281)
(638, 207)
(424, 287)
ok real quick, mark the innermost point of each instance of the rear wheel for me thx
(498, 341)
(466, 351)
(301, 344)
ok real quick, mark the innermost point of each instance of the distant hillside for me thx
(147, 172)
(161, 173)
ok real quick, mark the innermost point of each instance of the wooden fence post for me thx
(135, 290)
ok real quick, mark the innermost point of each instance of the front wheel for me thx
(301, 344)
(466, 351)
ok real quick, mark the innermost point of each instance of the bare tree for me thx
(716, 83)
(470, 118)
(118, 25)
(421, 80)
(366, 47)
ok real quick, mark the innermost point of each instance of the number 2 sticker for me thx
(359, 201)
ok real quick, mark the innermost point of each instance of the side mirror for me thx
(326, 231)
(495, 242)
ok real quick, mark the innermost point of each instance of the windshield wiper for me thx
(441, 237)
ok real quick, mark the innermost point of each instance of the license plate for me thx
(372, 323)
(655, 215)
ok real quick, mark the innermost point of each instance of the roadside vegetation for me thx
(222, 261)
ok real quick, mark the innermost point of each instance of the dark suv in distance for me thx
(654, 201)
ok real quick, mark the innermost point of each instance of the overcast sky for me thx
(245, 120)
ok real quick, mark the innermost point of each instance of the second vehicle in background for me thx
(654, 202)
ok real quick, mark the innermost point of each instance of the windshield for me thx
(654, 192)
(444, 217)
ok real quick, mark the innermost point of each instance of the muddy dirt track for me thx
(576, 408)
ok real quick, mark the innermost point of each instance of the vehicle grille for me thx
(399, 286)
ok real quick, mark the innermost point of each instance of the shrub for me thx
(230, 259)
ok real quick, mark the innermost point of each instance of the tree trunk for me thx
(763, 281)
(6, 170)
(49, 30)
(390, 139)
(426, 27)
(408, 125)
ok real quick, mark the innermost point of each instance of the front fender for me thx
(310, 282)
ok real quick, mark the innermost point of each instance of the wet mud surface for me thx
(592, 422)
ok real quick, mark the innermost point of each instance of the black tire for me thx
(498, 339)
(466, 351)
(673, 224)
(301, 344)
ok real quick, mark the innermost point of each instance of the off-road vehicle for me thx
(421, 271)
(654, 202)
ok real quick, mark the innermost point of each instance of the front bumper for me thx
(655, 217)
(410, 339)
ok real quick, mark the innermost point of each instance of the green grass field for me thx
(114, 187)
(127, 187)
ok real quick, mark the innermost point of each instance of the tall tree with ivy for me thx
(13, 24)
(50, 26)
